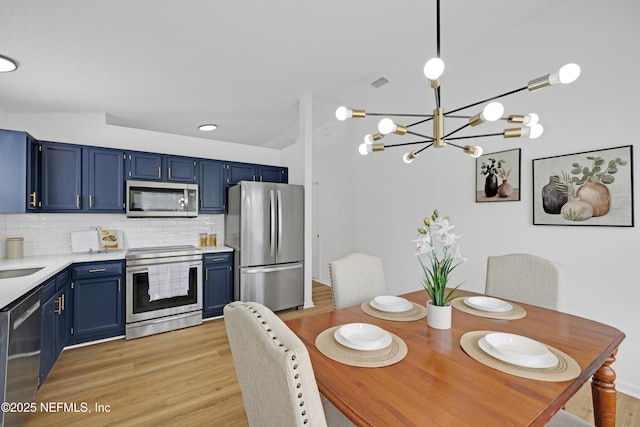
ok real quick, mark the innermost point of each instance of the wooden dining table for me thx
(439, 384)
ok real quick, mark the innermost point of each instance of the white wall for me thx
(375, 203)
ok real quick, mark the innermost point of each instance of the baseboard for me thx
(629, 389)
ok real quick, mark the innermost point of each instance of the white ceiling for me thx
(170, 65)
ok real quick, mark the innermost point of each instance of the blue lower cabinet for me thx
(217, 283)
(55, 321)
(98, 301)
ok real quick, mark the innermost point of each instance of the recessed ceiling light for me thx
(7, 64)
(207, 127)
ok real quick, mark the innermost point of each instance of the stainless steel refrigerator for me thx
(265, 227)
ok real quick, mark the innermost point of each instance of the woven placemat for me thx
(516, 312)
(393, 353)
(417, 312)
(566, 369)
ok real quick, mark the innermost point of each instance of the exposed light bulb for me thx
(408, 157)
(492, 112)
(530, 119)
(343, 113)
(536, 130)
(364, 148)
(567, 74)
(368, 139)
(478, 151)
(386, 126)
(434, 68)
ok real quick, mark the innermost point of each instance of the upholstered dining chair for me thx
(274, 370)
(528, 279)
(356, 278)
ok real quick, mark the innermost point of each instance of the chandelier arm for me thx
(423, 148)
(404, 144)
(485, 100)
(420, 135)
(399, 115)
(456, 131)
(474, 136)
(420, 122)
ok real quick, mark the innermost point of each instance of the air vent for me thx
(380, 82)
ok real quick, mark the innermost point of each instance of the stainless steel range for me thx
(163, 289)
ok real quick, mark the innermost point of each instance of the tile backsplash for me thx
(50, 234)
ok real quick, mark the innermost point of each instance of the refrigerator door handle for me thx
(272, 234)
(279, 240)
(270, 269)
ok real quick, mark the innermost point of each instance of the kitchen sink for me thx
(19, 272)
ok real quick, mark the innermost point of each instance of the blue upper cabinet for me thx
(103, 179)
(145, 166)
(212, 187)
(273, 174)
(161, 167)
(61, 179)
(237, 172)
(13, 170)
(181, 169)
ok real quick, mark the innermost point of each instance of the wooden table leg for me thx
(603, 391)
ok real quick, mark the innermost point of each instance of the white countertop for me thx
(13, 288)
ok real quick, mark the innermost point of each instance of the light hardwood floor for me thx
(185, 378)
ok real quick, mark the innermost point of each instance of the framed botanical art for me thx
(588, 188)
(498, 176)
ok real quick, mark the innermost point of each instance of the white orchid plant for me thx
(437, 241)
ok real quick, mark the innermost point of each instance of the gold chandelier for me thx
(433, 70)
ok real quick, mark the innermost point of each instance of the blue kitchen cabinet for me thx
(213, 197)
(103, 180)
(161, 167)
(55, 321)
(13, 162)
(181, 169)
(237, 172)
(61, 177)
(98, 301)
(273, 174)
(217, 283)
(145, 166)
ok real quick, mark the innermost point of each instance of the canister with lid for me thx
(15, 247)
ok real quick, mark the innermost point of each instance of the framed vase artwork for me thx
(498, 176)
(588, 188)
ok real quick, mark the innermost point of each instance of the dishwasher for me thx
(20, 329)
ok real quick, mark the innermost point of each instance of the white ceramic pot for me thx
(439, 317)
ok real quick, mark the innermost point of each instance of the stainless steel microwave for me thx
(161, 199)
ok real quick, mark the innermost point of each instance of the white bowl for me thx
(362, 336)
(391, 304)
(489, 304)
(516, 346)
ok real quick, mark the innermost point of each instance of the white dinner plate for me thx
(491, 304)
(362, 336)
(391, 304)
(549, 360)
(516, 346)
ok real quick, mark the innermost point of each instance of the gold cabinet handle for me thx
(159, 172)
(97, 270)
(33, 199)
(90, 200)
(77, 200)
(59, 309)
(217, 259)
(62, 302)
(206, 275)
(169, 173)
(118, 285)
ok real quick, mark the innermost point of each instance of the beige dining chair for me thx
(274, 370)
(356, 278)
(528, 279)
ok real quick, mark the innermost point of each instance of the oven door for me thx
(138, 302)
